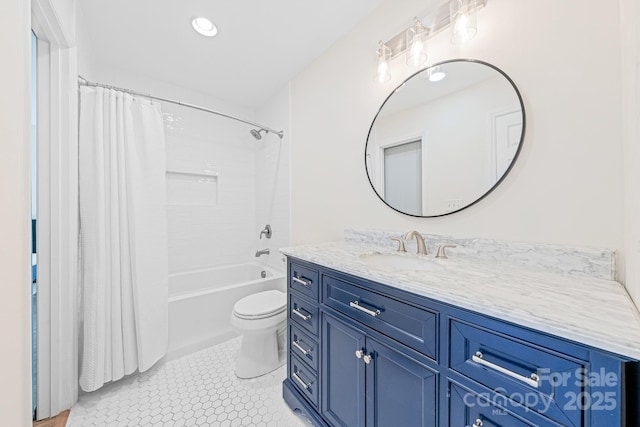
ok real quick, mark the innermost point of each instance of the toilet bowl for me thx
(261, 319)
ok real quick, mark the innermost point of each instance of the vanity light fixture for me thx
(204, 26)
(460, 15)
(463, 20)
(416, 44)
(383, 73)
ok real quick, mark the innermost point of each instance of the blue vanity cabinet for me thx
(370, 382)
(365, 354)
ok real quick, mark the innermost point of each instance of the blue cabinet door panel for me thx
(400, 390)
(343, 374)
(559, 377)
(413, 326)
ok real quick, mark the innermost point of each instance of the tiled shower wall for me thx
(223, 187)
(211, 190)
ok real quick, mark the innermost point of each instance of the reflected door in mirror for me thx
(403, 176)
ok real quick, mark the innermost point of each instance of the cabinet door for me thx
(343, 374)
(400, 390)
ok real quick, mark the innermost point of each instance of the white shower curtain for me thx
(124, 272)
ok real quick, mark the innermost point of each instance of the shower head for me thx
(256, 133)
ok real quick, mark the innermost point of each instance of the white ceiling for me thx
(260, 45)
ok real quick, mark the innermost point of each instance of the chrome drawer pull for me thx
(300, 314)
(301, 381)
(357, 306)
(300, 281)
(297, 345)
(533, 380)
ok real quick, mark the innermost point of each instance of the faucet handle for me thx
(441, 250)
(400, 241)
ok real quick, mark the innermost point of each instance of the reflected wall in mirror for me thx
(445, 138)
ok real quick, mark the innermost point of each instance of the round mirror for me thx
(445, 138)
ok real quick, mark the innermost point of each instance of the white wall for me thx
(567, 186)
(15, 253)
(272, 179)
(630, 25)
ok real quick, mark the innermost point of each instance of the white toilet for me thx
(261, 319)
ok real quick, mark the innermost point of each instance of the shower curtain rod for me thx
(84, 82)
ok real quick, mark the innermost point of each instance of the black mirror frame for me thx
(498, 182)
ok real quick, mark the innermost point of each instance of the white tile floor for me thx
(196, 390)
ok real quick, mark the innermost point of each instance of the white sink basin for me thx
(404, 262)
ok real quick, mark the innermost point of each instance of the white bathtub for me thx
(200, 303)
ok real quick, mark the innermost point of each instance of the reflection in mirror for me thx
(445, 138)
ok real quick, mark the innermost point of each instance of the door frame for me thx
(493, 149)
(57, 235)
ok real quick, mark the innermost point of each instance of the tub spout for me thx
(262, 252)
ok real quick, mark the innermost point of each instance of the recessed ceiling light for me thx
(204, 26)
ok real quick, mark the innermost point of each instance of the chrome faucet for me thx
(262, 252)
(422, 247)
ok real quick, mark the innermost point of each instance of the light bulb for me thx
(416, 37)
(382, 74)
(463, 20)
(416, 53)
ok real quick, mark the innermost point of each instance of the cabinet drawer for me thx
(413, 326)
(304, 313)
(473, 410)
(304, 280)
(303, 346)
(304, 379)
(540, 379)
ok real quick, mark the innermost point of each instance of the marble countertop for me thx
(595, 312)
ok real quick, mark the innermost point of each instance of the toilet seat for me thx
(261, 305)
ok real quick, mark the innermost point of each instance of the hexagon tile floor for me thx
(196, 390)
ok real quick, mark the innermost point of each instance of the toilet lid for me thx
(262, 304)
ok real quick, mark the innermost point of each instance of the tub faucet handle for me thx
(266, 231)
